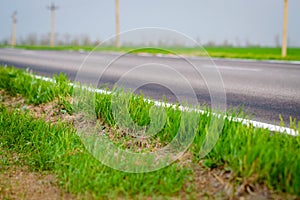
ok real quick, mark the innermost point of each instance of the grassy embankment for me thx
(253, 155)
(256, 53)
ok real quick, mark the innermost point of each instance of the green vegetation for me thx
(57, 148)
(254, 155)
(35, 90)
(256, 53)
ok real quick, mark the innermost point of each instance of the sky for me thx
(257, 22)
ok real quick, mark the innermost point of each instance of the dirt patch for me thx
(18, 182)
(50, 112)
(223, 184)
(220, 183)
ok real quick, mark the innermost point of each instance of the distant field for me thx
(253, 53)
(257, 53)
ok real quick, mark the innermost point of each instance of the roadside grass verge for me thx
(57, 148)
(254, 155)
(256, 53)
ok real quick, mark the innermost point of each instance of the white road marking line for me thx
(294, 62)
(233, 68)
(247, 122)
(179, 56)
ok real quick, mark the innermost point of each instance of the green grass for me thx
(257, 53)
(58, 149)
(253, 154)
(35, 90)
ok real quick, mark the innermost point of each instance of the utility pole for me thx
(284, 35)
(117, 23)
(52, 8)
(13, 32)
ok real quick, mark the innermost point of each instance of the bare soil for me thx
(18, 182)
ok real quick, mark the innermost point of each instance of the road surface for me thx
(263, 89)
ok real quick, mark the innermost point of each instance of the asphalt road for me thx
(264, 89)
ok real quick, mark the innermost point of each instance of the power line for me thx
(52, 8)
